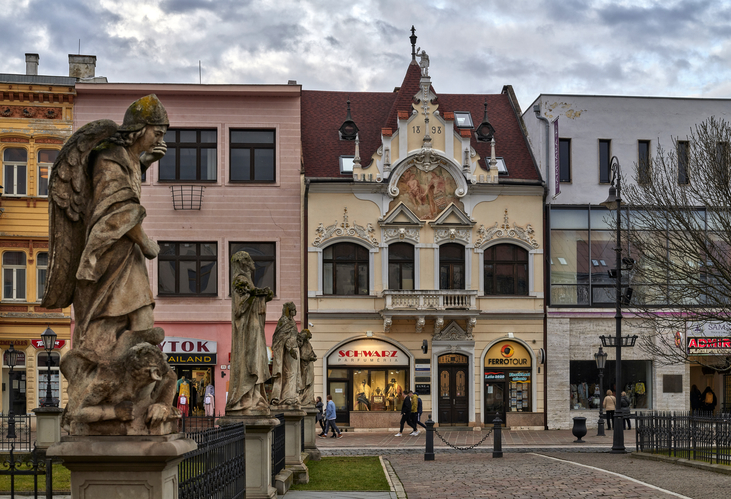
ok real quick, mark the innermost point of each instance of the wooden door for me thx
(453, 398)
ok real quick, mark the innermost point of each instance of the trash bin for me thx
(579, 429)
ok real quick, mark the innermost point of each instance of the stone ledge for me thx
(717, 468)
(283, 481)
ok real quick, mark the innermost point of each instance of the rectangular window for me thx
(187, 269)
(585, 392)
(252, 156)
(683, 162)
(41, 272)
(346, 164)
(15, 172)
(43, 378)
(14, 275)
(46, 158)
(265, 260)
(722, 162)
(643, 161)
(191, 156)
(564, 153)
(604, 161)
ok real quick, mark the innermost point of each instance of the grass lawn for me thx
(61, 481)
(345, 473)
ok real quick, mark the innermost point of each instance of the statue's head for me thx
(145, 111)
(289, 309)
(242, 262)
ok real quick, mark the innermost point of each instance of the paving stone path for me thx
(529, 475)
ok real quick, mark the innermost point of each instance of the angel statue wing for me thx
(69, 192)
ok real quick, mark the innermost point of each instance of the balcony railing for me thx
(431, 299)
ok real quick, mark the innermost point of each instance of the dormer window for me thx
(348, 130)
(501, 168)
(346, 164)
(463, 119)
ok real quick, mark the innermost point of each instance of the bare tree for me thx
(679, 235)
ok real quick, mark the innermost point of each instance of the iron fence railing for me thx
(278, 450)
(697, 436)
(24, 424)
(217, 468)
(191, 424)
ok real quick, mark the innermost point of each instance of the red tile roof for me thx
(323, 112)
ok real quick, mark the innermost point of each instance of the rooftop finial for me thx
(413, 43)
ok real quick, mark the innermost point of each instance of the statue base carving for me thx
(310, 424)
(258, 453)
(293, 446)
(144, 467)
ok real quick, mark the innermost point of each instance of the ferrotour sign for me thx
(368, 352)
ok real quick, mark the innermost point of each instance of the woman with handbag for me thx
(610, 403)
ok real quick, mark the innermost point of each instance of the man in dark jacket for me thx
(419, 410)
(406, 413)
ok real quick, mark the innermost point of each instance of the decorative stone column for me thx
(258, 454)
(293, 445)
(48, 426)
(310, 422)
(140, 467)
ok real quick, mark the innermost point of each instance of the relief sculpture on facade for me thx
(426, 193)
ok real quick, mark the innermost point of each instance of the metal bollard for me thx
(497, 448)
(429, 454)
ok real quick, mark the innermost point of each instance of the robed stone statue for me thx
(249, 360)
(286, 360)
(119, 380)
(307, 369)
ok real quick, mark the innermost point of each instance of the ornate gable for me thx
(346, 229)
(453, 332)
(505, 231)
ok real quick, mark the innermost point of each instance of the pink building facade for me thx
(230, 181)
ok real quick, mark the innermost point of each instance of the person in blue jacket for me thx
(330, 416)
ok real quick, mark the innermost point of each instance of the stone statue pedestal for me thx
(258, 453)
(293, 445)
(48, 426)
(310, 423)
(124, 467)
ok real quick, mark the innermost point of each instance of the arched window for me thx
(451, 266)
(401, 266)
(14, 275)
(345, 269)
(506, 270)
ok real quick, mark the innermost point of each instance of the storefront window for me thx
(378, 389)
(43, 378)
(584, 381)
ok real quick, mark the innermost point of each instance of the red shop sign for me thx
(39, 343)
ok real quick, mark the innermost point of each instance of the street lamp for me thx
(614, 202)
(12, 362)
(601, 361)
(49, 343)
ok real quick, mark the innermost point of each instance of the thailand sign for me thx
(368, 352)
(173, 344)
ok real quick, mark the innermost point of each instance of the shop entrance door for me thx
(495, 402)
(17, 385)
(453, 400)
(340, 392)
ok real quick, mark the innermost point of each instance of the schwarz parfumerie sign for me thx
(189, 350)
(368, 353)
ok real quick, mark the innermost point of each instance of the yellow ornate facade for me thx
(36, 117)
(425, 258)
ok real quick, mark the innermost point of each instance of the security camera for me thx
(309, 324)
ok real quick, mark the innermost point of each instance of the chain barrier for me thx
(463, 448)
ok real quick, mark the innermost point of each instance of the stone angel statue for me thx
(119, 380)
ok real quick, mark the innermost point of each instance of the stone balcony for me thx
(429, 303)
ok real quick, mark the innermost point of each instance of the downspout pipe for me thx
(546, 289)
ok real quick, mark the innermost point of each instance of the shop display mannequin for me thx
(183, 396)
(363, 397)
(209, 402)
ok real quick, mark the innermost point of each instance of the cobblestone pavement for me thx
(528, 475)
(376, 443)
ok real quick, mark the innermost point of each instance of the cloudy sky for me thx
(680, 48)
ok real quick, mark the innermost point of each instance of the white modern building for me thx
(573, 138)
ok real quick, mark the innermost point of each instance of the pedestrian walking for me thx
(419, 410)
(708, 400)
(610, 403)
(414, 413)
(320, 416)
(406, 413)
(624, 404)
(695, 399)
(330, 416)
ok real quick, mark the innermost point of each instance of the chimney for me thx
(31, 64)
(82, 66)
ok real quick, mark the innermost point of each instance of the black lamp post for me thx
(12, 362)
(614, 202)
(49, 343)
(601, 361)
